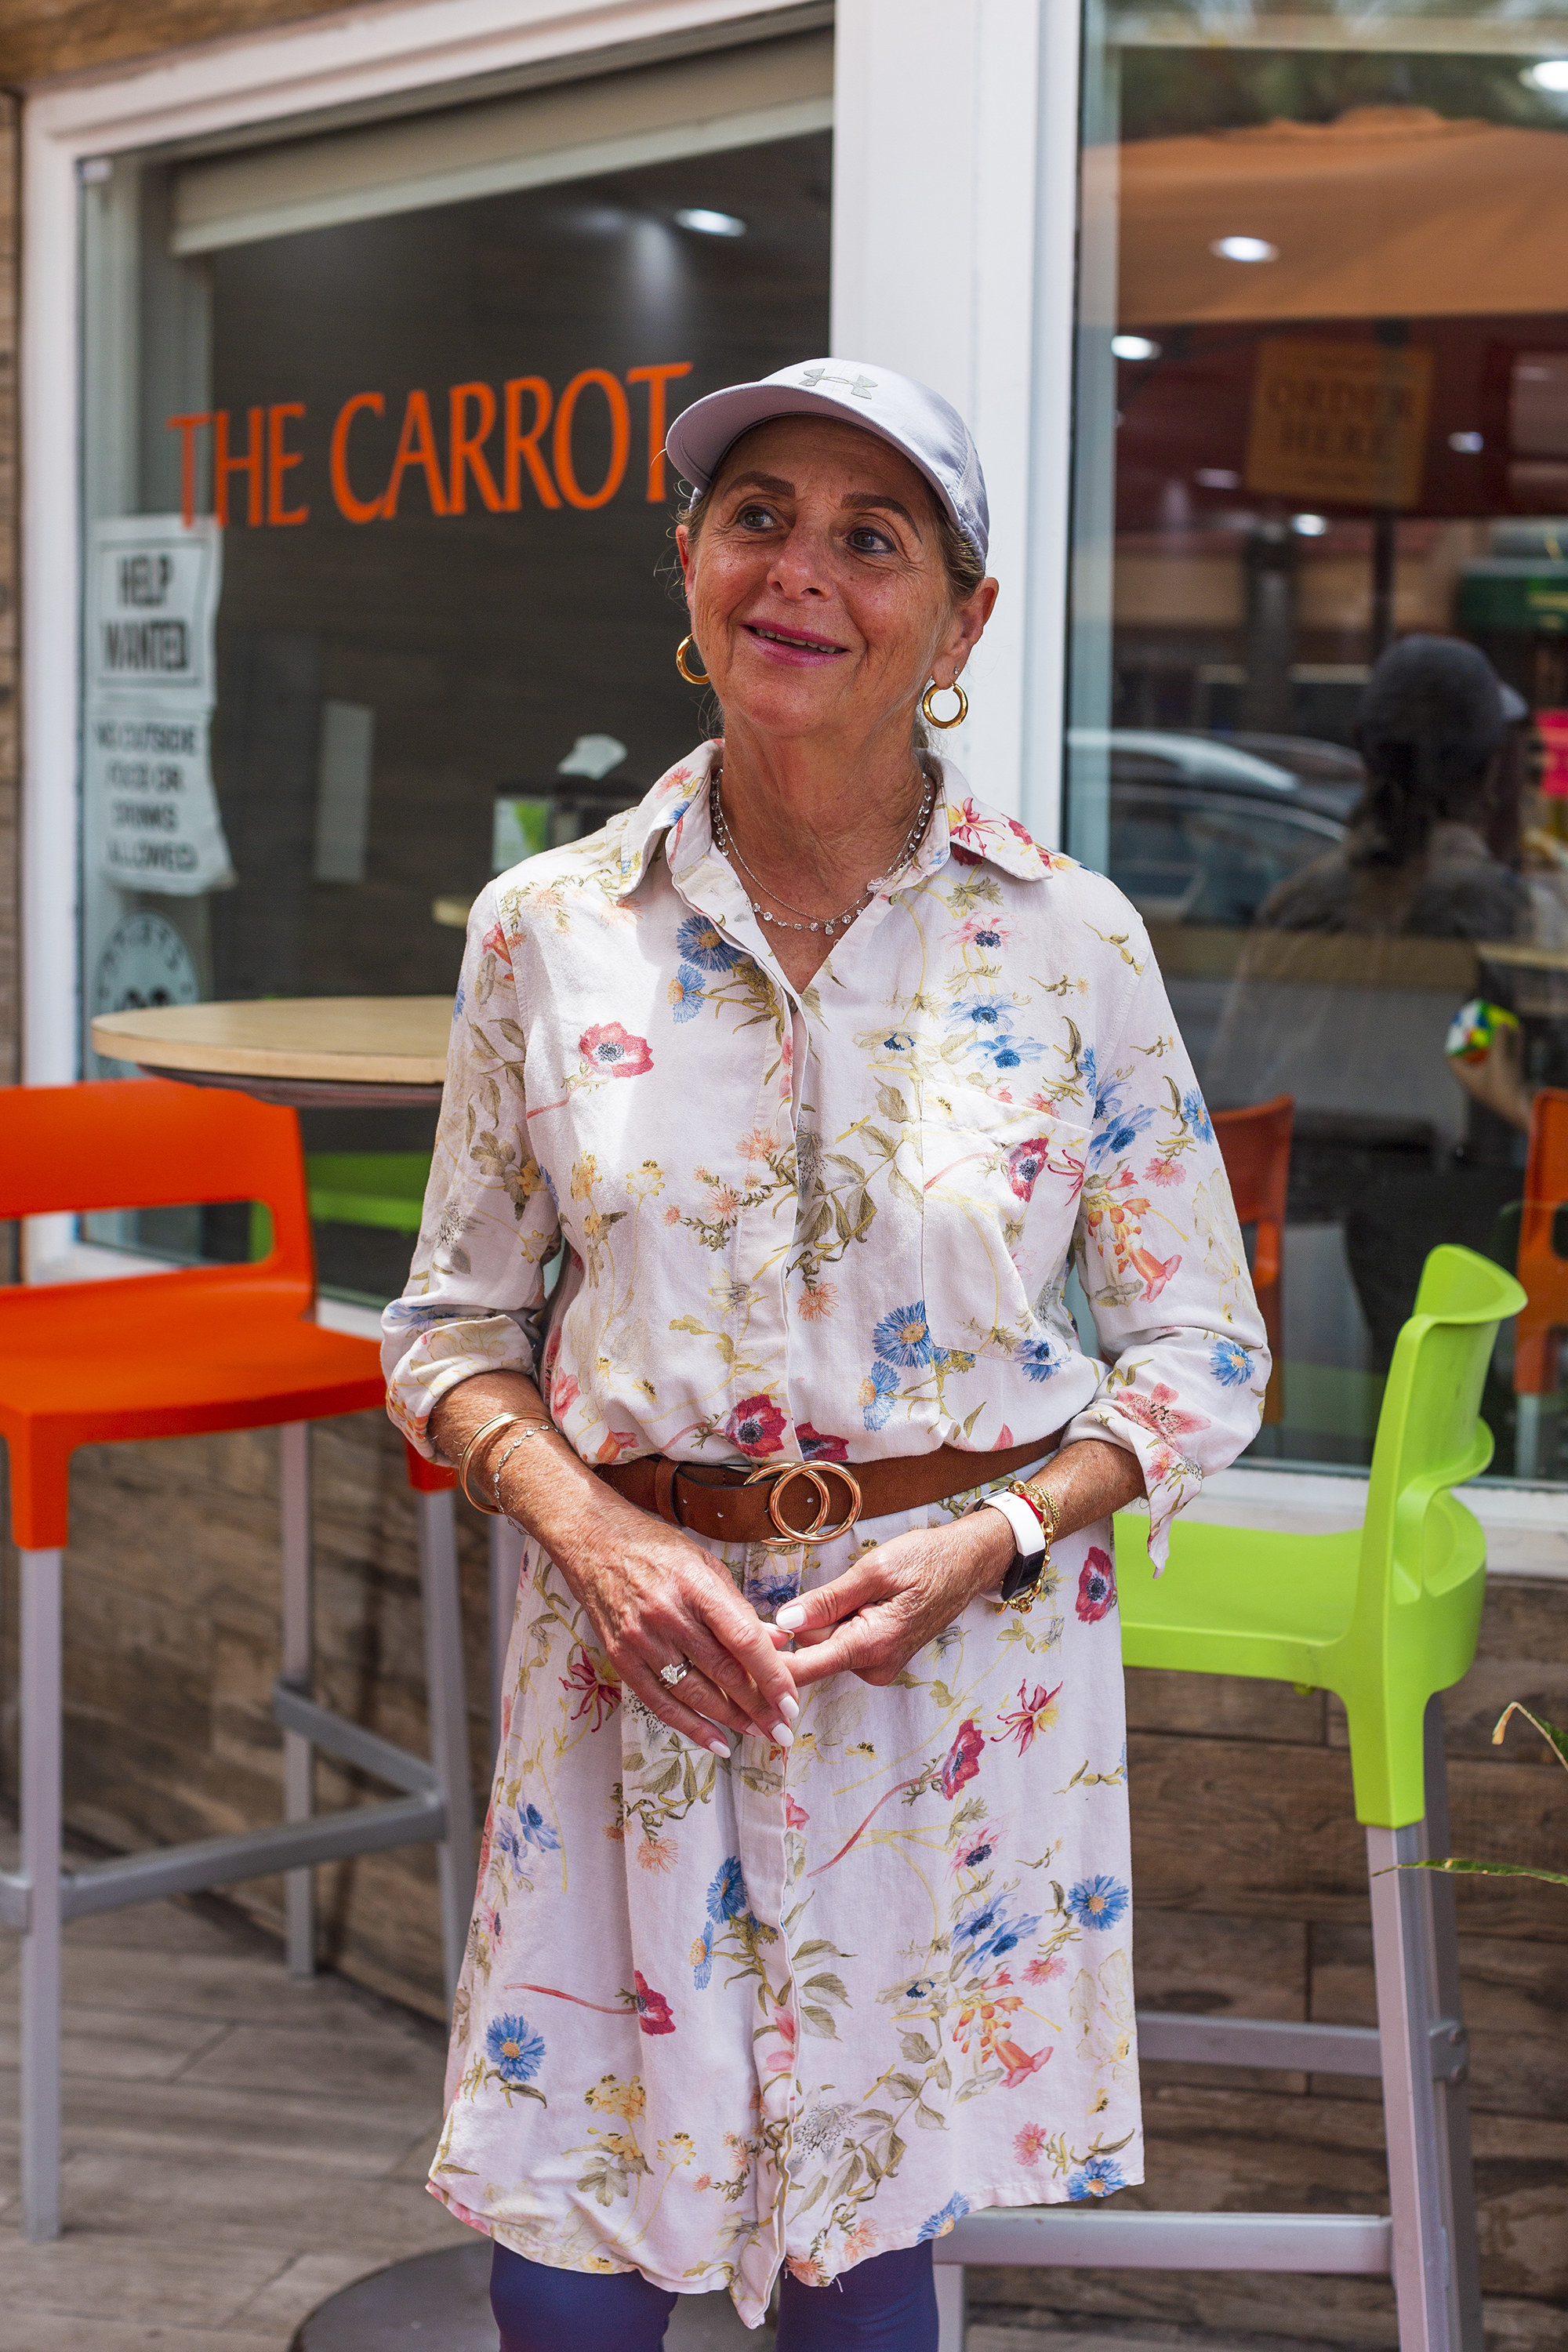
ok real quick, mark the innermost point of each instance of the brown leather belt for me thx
(748, 1505)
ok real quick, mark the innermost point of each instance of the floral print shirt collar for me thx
(676, 813)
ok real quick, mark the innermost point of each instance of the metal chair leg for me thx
(448, 1723)
(506, 1565)
(1453, 2097)
(949, 2307)
(1402, 1955)
(41, 1701)
(1527, 1437)
(299, 1756)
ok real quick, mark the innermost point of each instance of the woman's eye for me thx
(755, 517)
(867, 539)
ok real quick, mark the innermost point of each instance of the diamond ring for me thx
(675, 1673)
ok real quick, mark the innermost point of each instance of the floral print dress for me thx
(805, 2008)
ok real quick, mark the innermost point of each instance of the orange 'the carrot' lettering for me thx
(188, 428)
(655, 378)
(620, 438)
(250, 464)
(279, 461)
(467, 449)
(522, 447)
(416, 447)
(352, 508)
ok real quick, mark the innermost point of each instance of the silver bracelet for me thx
(533, 1429)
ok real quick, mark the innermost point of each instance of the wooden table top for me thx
(346, 1041)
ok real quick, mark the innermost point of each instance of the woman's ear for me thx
(966, 626)
(683, 549)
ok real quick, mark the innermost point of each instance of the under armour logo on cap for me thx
(862, 386)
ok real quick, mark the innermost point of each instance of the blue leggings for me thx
(887, 2304)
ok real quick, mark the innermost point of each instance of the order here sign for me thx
(482, 443)
(1344, 422)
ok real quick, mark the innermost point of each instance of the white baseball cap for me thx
(927, 428)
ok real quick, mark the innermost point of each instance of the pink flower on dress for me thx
(782, 2061)
(1158, 1412)
(595, 1685)
(1032, 1716)
(613, 1052)
(495, 943)
(1018, 2064)
(564, 1395)
(796, 1816)
(1025, 1163)
(755, 1425)
(963, 1758)
(1156, 1273)
(1029, 2144)
(1044, 1971)
(657, 1853)
(817, 1301)
(814, 1447)
(1095, 1586)
(653, 2009)
(1162, 1171)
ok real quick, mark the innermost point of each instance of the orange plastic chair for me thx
(1254, 1144)
(1543, 1272)
(174, 1354)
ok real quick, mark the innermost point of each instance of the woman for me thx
(802, 1918)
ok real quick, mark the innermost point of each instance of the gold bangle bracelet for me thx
(500, 1421)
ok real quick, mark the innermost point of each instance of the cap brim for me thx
(700, 435)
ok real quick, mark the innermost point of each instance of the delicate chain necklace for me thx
(725, 842)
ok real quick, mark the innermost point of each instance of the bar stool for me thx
(200, 1349)
(1254, 1144)
(1543, 1270)
(1385, 1616)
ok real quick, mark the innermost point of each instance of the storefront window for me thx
(1321, 412)
(378, 529)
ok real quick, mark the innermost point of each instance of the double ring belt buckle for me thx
(818, 1532)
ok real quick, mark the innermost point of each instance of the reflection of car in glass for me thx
(1201, 830)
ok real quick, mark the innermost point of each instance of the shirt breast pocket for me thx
(1000, 1190)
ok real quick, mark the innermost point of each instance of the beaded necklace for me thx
(725, 842)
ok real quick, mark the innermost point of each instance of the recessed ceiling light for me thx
(1244, 249)
(710, 224)
(1549, 75)
(1218, 477)
(1467, 444)
(1309, 526)
(1135, 347)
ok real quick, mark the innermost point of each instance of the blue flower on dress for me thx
(726, 1896)
(701, 942)
(1040, 1357)
(686, 993)
(537, 1830)
(877, 1389)
(1195, 1113)
(986, 1013)
(702, 1959)
(515, 2050)
(904, 1336)
(978, 1924)
(1100, 2176)
(771, 1585)
(941, 2223)
(990, 1933)
(1230, 1363)
(457, 1001)
(1098, 1902)
(899, 1041)
(987, 938)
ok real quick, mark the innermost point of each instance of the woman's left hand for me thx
(891, 1601)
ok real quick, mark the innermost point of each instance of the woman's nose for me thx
(800, 567)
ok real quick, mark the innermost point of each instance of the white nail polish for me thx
(790, 1618)
(719, 1748)
(783, 1736)
(790, 1709)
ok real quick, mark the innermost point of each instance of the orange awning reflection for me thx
(1390, 212)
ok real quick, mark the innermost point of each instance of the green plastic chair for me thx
(1386, 1617)
(368, 1188)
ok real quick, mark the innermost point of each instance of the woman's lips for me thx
(794, 647)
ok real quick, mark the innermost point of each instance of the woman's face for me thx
(819, 600)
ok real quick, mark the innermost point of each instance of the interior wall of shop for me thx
(1248, 1866)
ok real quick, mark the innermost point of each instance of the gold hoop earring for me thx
(959, 715)
(692, 677)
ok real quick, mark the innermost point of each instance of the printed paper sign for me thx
(152, 604)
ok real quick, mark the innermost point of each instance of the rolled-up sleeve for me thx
(1163, 1265)
(474, 1297)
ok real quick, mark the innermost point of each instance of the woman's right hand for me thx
(654, 1598)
